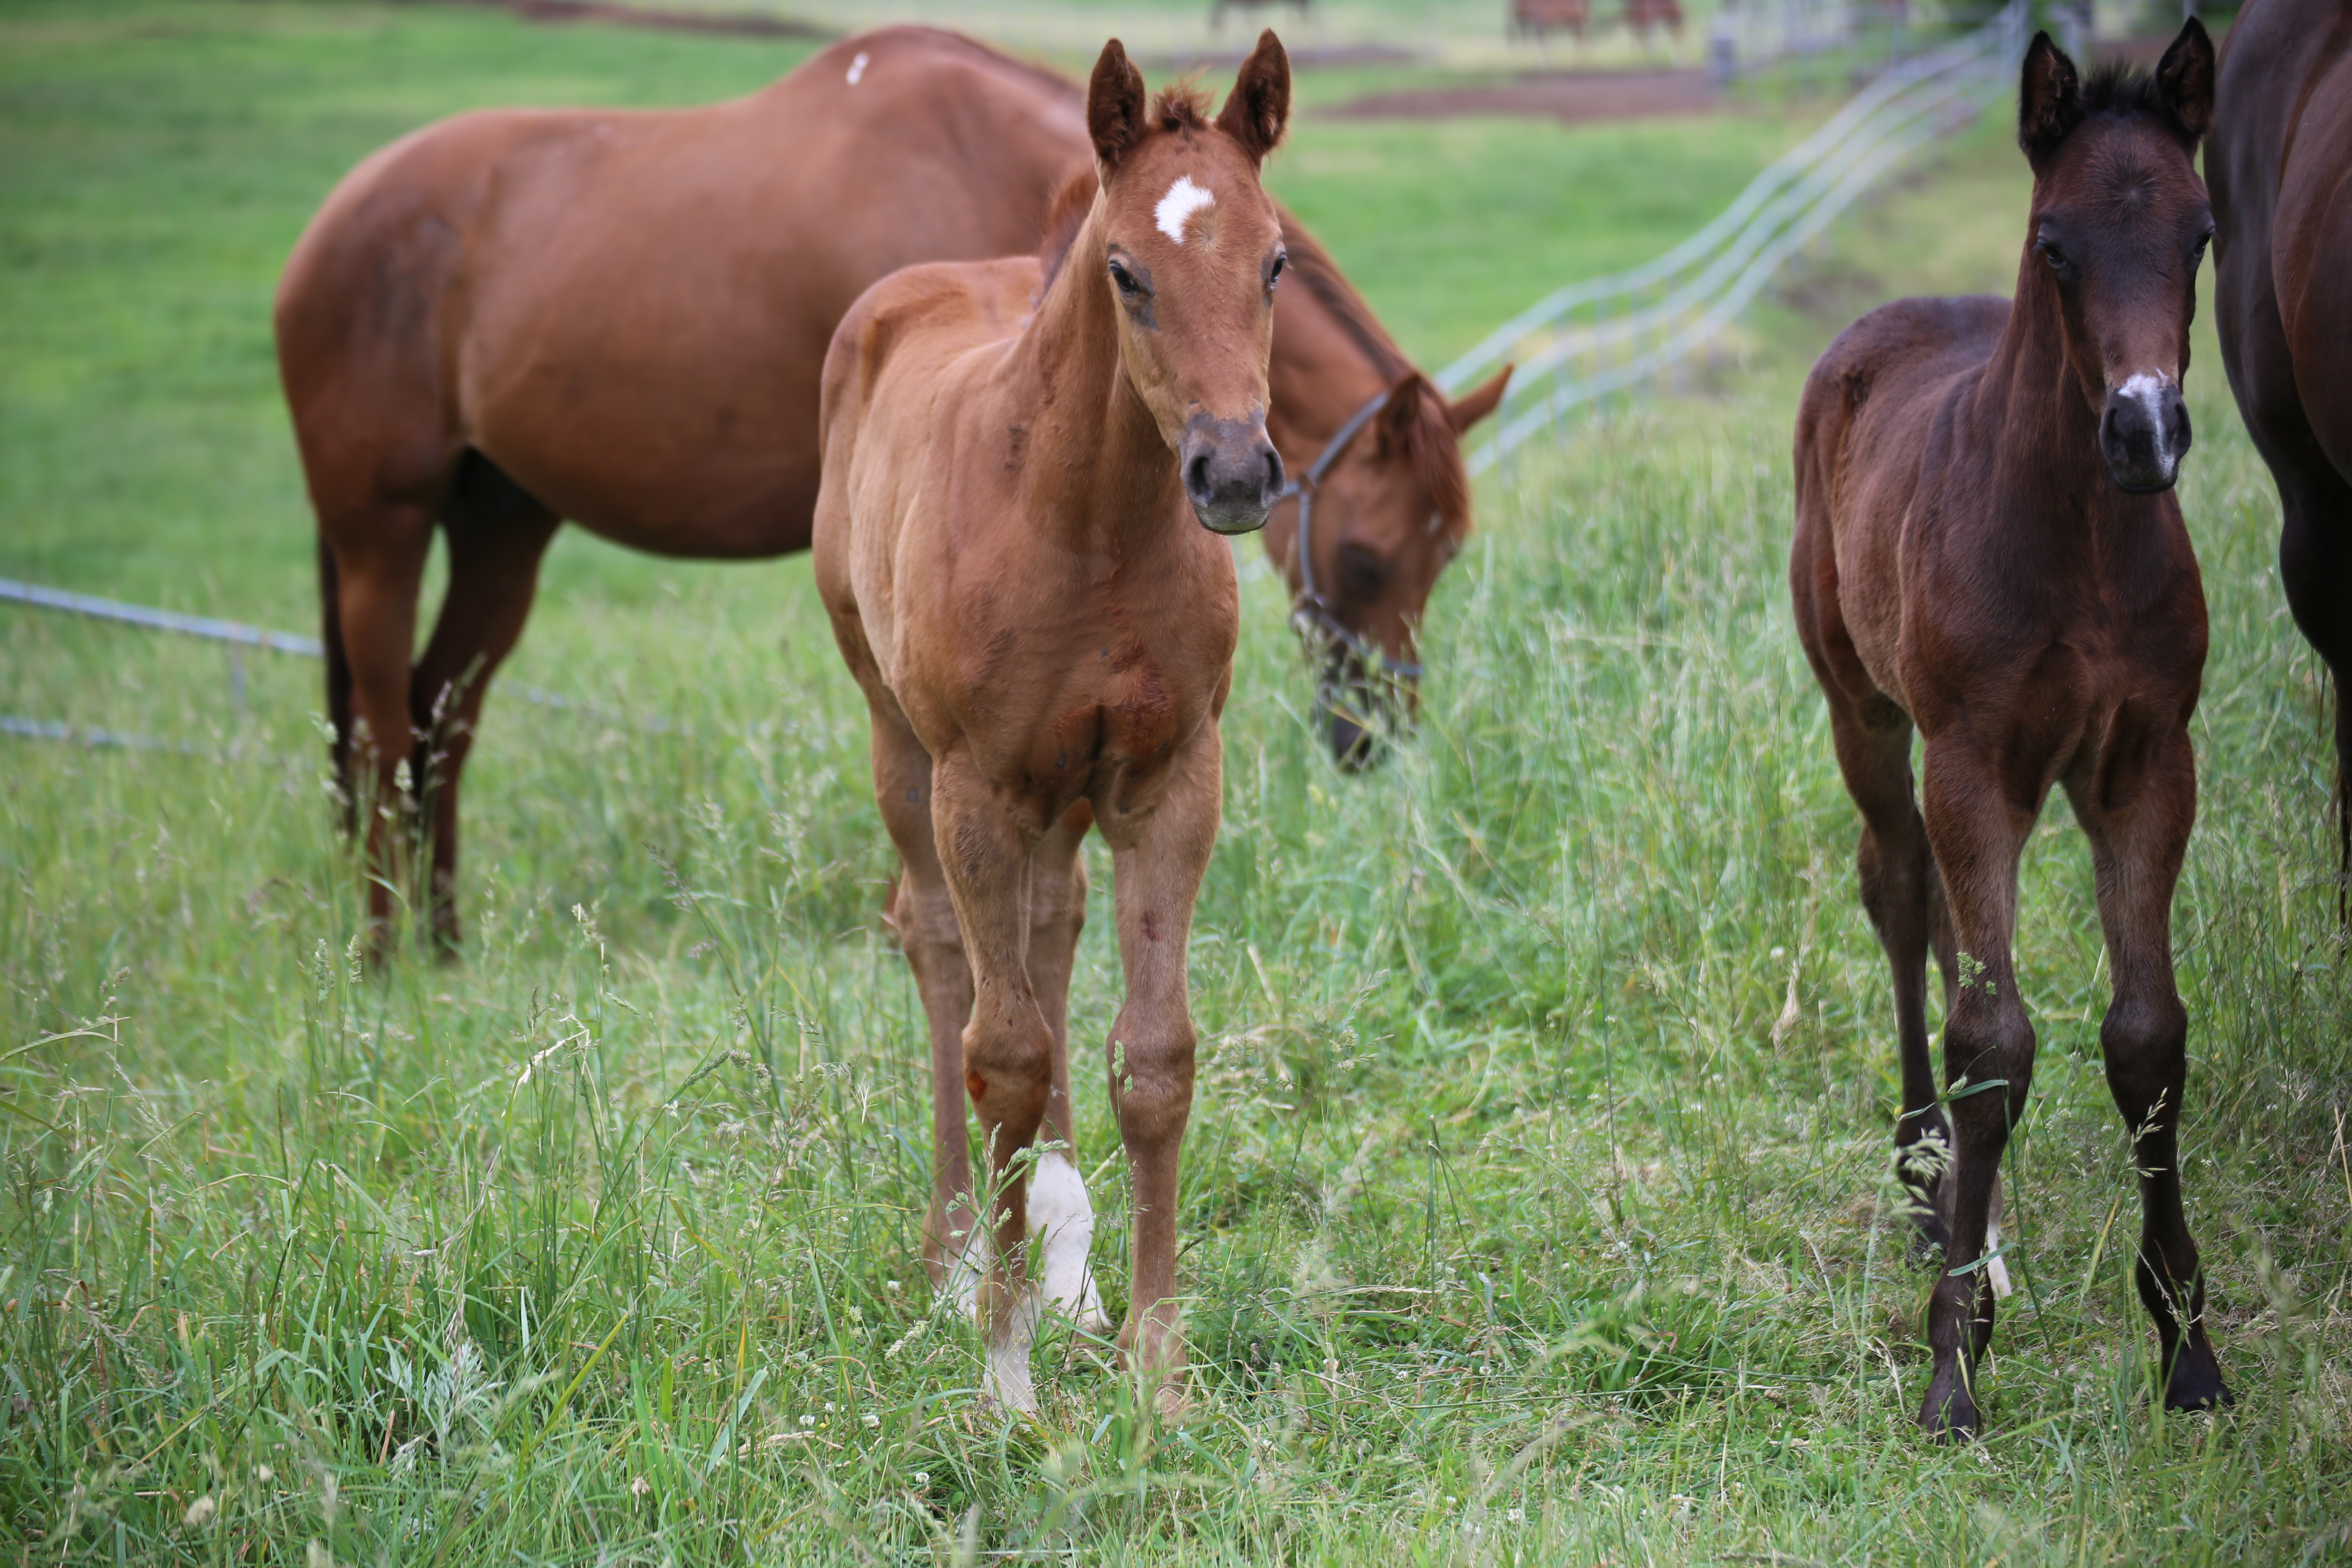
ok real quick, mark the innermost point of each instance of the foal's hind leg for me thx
(2137, 814)
(1905, 897)
(922, 914)
(1059, 1209)
(496, 536)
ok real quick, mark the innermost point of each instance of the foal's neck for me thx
(1095, 456)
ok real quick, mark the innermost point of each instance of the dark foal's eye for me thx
(2055, 256)
(1125, 280)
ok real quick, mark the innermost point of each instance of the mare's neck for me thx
(1094, 454)
(1322, 377)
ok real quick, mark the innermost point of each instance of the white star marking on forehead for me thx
(1183, 199)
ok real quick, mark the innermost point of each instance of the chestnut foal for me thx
(1026, 465)
(1988, 548)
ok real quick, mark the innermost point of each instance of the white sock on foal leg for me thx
(1008, 1357)
(1060, 1212)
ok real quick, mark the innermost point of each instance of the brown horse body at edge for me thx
(521, 316)
(2278, 163)
(1988, 549)
(1023, 466)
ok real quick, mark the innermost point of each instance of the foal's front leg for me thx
(1157, 858)
(1976, 827)
(984, 839)
(2138, 821)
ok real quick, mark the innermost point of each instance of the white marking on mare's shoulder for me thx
(1183, 199)
(858, 67)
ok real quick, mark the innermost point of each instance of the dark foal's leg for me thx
(1977, 829)
(496, 536)
(924, 918)
(2315, 565)
(1904, 898)
(2136, 813)
(380, 552)
(1059, 1209)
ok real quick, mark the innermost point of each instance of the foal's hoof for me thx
(2196, 1383)
(1950, 1413)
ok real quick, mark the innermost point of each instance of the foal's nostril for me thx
(1273, 470)
(1196, 477)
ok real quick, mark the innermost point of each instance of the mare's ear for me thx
(1259, 106)
(2185, 79)
(1480, 400)
(1115, 105)
(2049, 99)
(1400, 413)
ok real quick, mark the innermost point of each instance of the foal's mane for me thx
(2125, 91)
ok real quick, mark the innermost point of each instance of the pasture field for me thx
(1538, 1203)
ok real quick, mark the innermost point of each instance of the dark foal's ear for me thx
(1480, 400)
(1115, 105)
(2185, 79)
(2049, 99)
(1259, 106)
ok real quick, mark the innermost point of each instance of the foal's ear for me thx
(1115, 105)
(1259, 106)
(1480, 400)
(2049, 99)
(2185, 79)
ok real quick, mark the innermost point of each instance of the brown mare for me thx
(1028, 465)
(520, 316)
(1988, 549)
(2278, 163)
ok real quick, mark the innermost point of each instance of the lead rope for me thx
(1312, 616)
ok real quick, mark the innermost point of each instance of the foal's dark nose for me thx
(1232, 473)
(2144, 434)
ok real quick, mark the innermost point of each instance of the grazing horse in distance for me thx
(1028, 467)
(620, 319)
(1988, 549)
(2278, 165)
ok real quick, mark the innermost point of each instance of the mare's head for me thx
(1189, 249)
(1392, 509)
(2120, 223)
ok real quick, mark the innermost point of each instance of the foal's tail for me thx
(339, 682)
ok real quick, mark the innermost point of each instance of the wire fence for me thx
(1588, 339)
(1576, 346)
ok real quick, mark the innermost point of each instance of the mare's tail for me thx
(339, 683)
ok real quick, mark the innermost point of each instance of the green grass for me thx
(1536, 1205)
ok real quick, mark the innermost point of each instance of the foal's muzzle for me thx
(2144, 434)
(1232, 473)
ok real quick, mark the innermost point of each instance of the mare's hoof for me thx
(2196, 1383)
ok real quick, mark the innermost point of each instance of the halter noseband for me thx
(1312, 616)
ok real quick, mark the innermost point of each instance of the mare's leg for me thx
(380, 551)
(924, 918)
(1977, 825)
(986, 841)
(2137, 812)
(2315, 565)
(496, 536)
(1059, 1209)
(1159, 857)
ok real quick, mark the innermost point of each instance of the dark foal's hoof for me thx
(2196, 1383)
(1950, 1413)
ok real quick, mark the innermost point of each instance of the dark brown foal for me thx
(1988, 549)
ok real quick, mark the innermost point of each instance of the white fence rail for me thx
(1583, 342)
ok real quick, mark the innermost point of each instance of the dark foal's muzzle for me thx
(2144, 434)
(1232, 473)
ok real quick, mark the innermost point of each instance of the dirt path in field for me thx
(739, 24)
(1550, 95)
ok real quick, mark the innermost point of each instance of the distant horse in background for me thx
(1026, 469)
(1988, 548)
(2280, 164)
(520, 316)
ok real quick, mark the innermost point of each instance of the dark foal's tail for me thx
(339, 683)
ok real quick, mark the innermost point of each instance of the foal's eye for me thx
(1274, 275)
(1125, 280)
